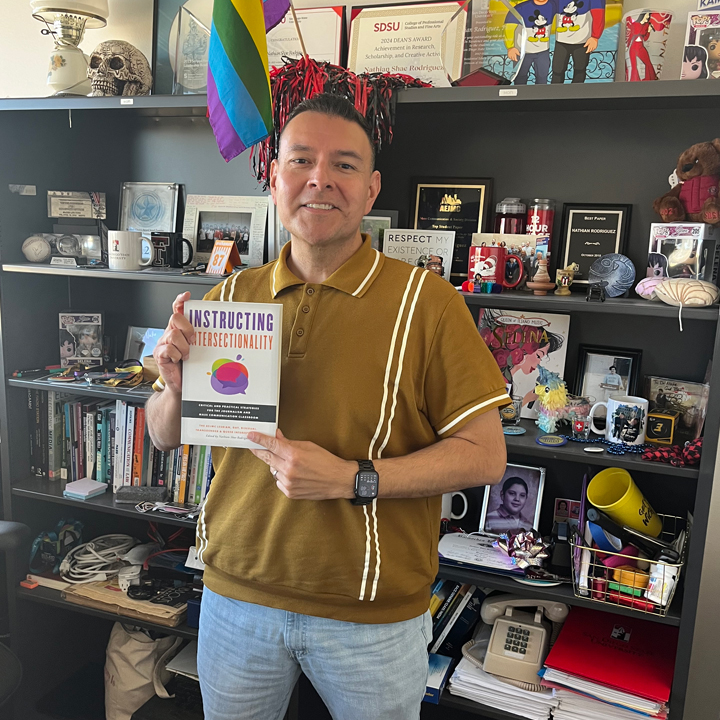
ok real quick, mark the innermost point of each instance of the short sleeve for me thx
(462, 379)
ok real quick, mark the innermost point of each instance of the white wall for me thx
(24, 52)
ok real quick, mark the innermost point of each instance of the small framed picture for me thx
(603, 372)
(590, 231)
(514, 503)
(278, 235)
(376, 222)
(149, 207)
(141, 341)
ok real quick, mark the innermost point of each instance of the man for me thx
(612, 383)
(381, 361)
(536, 16)
(579, 25)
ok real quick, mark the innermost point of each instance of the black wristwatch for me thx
(366, 483)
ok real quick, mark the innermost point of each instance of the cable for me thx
(98, 559)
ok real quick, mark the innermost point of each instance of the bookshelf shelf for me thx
(50, 596)
(136, 394)
(51, 491)
(560, 593)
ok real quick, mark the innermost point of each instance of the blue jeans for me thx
(250, 657)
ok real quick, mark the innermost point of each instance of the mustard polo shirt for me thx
(380, 360)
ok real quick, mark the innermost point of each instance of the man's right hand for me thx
(174, 345)
(514, 54)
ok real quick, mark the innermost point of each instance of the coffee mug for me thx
(125, 250)
(447, 513)
(171, 250)
(626, 419)
(493, 264)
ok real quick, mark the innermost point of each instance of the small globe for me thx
(614, 269)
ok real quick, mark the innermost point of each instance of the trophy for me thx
(191, 54)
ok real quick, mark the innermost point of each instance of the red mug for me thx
(490, 264)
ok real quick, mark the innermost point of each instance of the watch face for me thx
(367, 484)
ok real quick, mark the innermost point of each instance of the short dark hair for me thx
(612, 367)
(333, 106)
(513, 481)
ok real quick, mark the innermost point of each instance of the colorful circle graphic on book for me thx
(229, 377)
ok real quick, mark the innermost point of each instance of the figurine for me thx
(541, 283)
(564, 279)
(552, 400)
(118, 68)
(695, 198)
(596, 291)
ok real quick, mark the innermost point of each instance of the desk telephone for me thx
(520, 640)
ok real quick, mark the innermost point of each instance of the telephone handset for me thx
(520, 640)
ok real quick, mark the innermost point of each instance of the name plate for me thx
(70, 204)
(423, 41)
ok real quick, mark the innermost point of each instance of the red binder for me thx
(624, 653)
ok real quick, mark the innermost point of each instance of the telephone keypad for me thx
(516, 640)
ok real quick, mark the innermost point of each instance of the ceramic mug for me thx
(125, 250)
(171, 250)
(447, 513)
(626, 419)
(491, 264)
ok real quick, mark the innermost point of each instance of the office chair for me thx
(12, 536)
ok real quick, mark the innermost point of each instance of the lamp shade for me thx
(95, 11)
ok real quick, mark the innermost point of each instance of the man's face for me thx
(322, 182)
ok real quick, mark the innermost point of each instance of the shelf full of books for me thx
(72, 437)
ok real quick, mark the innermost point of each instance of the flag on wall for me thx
(239, 99)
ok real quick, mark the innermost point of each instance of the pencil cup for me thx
(615, 493)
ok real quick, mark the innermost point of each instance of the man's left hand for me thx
(591, 45)
(304, 470)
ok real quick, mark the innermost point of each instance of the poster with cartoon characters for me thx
(536, 42)
(520, 343)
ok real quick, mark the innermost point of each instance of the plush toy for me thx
(695, 198)
(552, 400)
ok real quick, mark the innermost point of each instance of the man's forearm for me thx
(163, 413)
(451, 464)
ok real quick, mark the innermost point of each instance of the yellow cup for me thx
(615, 493)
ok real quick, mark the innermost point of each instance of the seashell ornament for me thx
(686, 292)
(646, 288)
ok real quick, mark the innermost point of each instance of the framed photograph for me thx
(376, 222)
(278, 235)
(430, 55)
(141, 341)
(603, 372)
(226, 217)
(149, 207)
(455, 204)
(590, 231)
(514, 503)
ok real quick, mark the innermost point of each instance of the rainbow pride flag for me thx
(239, 99)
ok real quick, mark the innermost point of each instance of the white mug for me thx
(125, 250)
(626, 419)
(447, 513)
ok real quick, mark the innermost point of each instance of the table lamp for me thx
(66, 21)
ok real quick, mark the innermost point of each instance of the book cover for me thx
(148, 450)
(464, 596)
(231, 380)
(522, 341)
(138, 444)
(42, 419)
(631, 655)
(454, 588)
(462, 628)
(179, 452)
(56, 438)
(110, 469)
(127, 458)
(119, 447)
(182, 493)
(199, 478)
(438, 672)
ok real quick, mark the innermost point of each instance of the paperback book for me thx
(231, 380)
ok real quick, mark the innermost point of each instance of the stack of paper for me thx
(581, 707)
(84, 489)
(472, 682)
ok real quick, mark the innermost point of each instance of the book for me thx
(231, 379)
(138, 444)
(200, 476)
(182, 493)
(438, 672)
(520, 342)
(55, 402)
(453, 591)
(461, 627)
(464, 598)
(128, 445)
(624, 653)
(119, 448)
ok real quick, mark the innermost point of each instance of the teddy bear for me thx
(695, 198)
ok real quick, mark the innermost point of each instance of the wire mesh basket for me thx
(622, 579)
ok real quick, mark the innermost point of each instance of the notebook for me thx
(628, 654)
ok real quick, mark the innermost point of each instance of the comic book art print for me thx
(520, 343)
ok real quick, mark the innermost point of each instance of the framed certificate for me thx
(322, 31)
(423, 40)
(455, 204)
(149, 207)
(590, 231)
(226, 217)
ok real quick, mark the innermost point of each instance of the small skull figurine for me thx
(118, 68)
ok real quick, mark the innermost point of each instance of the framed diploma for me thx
(423, 40)
(590, 231)
(455, 204)
(322, 31)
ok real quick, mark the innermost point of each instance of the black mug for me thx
(171, 249)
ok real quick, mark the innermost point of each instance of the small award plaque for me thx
(70, 204)
(191, 54)
(591, 231)
(149, 207)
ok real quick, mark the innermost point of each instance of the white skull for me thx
(118, 68)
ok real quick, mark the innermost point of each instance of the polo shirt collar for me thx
(354, 277)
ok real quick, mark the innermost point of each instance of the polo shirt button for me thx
(306, 309)
(300, 332)
(310, 291)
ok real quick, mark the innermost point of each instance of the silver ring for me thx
(273, 472)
